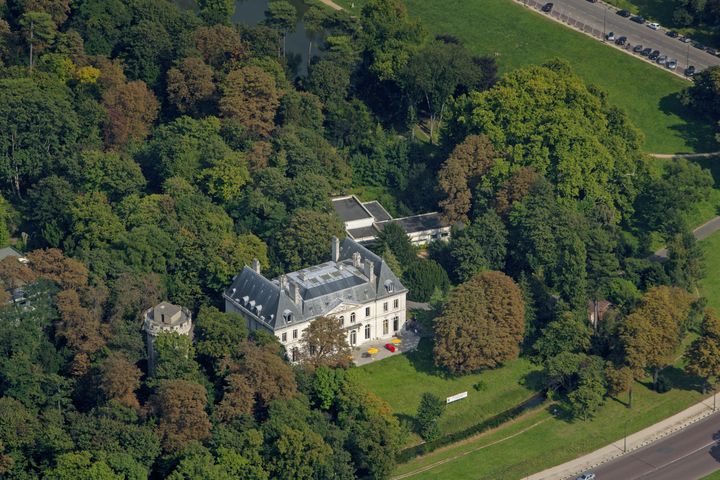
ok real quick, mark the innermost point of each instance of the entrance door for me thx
(396, 324)
(353, 338)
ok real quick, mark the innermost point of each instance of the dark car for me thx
(699, 46)
(646, 52)
(638, 48)
(621, 41)
(654, 55)
(690, 71)
(624, 13)
(638, 19)
(547, 8)
(672, 34)
(712, 51)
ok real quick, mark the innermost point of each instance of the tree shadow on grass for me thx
(534, 380)
(422, 360)
(677, 378)
(697, 132)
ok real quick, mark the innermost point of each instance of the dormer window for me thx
(288, 316)
(389, 286)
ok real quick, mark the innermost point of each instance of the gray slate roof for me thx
(378, 211)
(418, 223)
(9, 252)
(321, 288)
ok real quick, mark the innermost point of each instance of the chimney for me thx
(335, 249)
(370, 270)
(357, 260)
(295, 293)
(256, 265)
(283, 282)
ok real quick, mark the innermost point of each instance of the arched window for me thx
(352, 317)
(367, 331)
(342, 320)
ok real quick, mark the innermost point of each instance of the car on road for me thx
(685, 39)
(592, 1)
(662, 59)
(671, 64)
(621, 41)
(654, 25)
(390, 347)
(624, 13)
(672, 34)
(610, 36)
(690, 71)
(586, 476)
(699, 46)
(646, 52)
(547, 8)
(638, 48)
(712, 51)
(638, 19)
(654, 55)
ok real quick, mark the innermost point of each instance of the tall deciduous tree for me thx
(219, 334)
(703, 355)
(429, 411)
(481, 325)
(180, 409)
(282, 16)
(250, 98)
(324, 343)
(189, 84)
(131, 109)
(39, 31)
(461, 173)
(306, 238)
(119, 379)
(651, 334)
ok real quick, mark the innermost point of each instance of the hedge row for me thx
(492, 422)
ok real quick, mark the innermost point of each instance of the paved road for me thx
(595, 14)
(701, 233)
(686, 455)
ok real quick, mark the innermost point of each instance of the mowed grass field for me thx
(539, 440)
(402, 379)
(710, 285)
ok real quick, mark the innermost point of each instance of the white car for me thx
(654, 26)
(586, 476)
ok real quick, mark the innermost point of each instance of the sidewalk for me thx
(637, 440)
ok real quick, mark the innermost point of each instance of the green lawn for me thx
(551, 442)
(662, 12)
(402, 379)
(712, 476)
(519, 37)
(710, 285)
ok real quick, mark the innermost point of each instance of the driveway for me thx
(596, 18)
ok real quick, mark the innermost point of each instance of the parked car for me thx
(624, 13)
(672, 34)
(638, 19)
(654, 55)
(699, 46)
(390, 347)
(671, 64)
(712, 51)
(592, 1)
(685, 39)
(646, 52)
(690, 71)
(662, 59)
(638, 48)
(547, 8)
(586, 476)
(610, 36)
(621, 41)
(654, 25)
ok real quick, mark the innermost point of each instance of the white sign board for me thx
(456, 397)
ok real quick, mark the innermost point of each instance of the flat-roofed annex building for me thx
(356, 286)
(365, 220)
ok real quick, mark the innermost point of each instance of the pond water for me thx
(299, 44)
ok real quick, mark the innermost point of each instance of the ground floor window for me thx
(367, 331)
(385, 326)
(353, 338)
(396, 324)
(295, 355)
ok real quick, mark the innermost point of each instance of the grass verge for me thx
(551, 440)
(402, 379)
